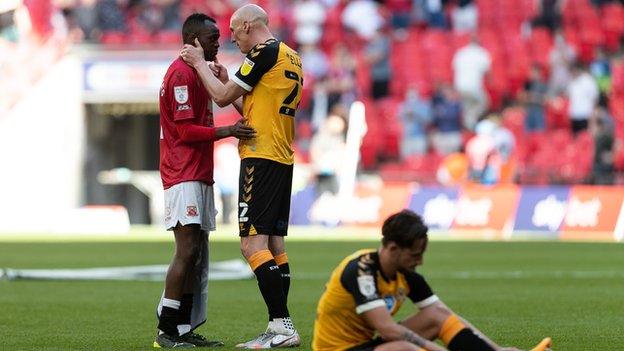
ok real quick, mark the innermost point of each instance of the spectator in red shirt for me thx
(187, 136)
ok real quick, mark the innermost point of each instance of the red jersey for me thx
(183, 97)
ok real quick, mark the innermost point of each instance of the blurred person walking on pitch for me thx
(187, 136)
(270, 81)
(369, 287)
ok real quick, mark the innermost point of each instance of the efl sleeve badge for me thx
(247, 66)
(181, 93)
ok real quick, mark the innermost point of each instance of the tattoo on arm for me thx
(414, 338)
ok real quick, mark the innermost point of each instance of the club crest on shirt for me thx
(191, 211)
(247, 66)
(181, 93)
(390, 302)
(366, 283)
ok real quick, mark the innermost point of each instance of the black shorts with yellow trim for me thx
(368, 346)
(264, 197)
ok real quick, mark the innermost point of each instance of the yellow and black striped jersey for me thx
(273, 76)
(356, 286)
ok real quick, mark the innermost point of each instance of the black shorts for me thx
(368, 346)
(264, 188)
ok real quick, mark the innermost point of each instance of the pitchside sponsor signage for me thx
(438, 206)
(594, 212)
(469, 208)
(486, 208)
(541, 209)
(580, 212)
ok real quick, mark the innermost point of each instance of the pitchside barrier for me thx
(475, 211)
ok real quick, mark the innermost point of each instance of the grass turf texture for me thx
(515, 292)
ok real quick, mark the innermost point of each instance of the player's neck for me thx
(385, 263)
(262, 35)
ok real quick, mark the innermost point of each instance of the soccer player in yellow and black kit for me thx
(369, 286)
(270, 80)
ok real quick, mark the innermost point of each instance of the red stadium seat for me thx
(168, 37)
(113, 38)
(557, 114)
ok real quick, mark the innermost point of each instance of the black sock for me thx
(186, 305)
(467, 340)
(270, 283)
(168, 321)
(285, 271)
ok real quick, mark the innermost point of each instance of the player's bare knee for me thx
(439, 315)
(188, 252)
(276, 245)
(251, 245)
(247, 249)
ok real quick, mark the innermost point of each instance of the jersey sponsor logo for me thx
(184, 107)
(366, 284)
(181, 93)
(247, 66)
(191, 211)
(390, 302)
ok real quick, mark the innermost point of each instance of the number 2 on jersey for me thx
(287, 105)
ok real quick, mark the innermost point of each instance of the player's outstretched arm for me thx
(192, 133)
(389, 330)
(222, 94)
(219, 71)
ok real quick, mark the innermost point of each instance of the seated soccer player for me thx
(369, 286)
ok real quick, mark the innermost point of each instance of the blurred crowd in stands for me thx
(490, 91)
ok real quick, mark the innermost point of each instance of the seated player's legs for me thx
(428, 322)
(398, 346)
(437, 321)
(378, 344)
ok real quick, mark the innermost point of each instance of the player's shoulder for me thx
(268, 48)
(363, 262)
(284, 47)
(412, 278)
(178, 69)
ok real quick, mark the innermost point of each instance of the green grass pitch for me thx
(515, 292)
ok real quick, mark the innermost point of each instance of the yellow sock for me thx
(281, 259)
(256, 260)
(451, 326)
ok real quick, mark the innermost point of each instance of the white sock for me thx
(175, 304)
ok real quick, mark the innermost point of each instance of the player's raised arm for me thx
(221, 73)
(222, 94)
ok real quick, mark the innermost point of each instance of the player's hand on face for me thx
(241, 131)
(193, 54)
(219, 71)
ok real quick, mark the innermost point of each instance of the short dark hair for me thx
(193, 24)
(403, 228)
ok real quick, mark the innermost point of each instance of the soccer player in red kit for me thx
(187, 137)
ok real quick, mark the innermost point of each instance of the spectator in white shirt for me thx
(362, 17)
(309, 17)
(471, 64)
(583, 94)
